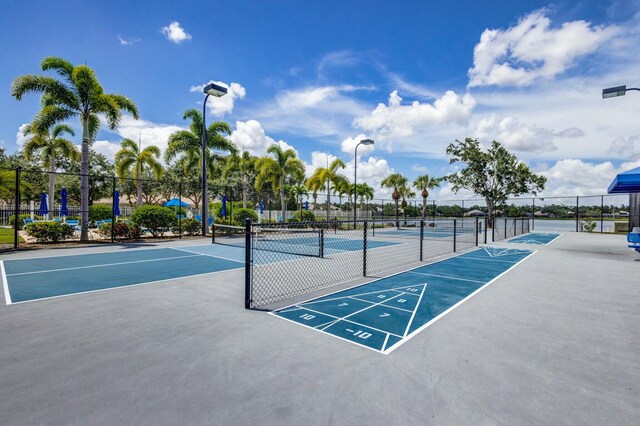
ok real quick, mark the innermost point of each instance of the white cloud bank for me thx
(175, 33)
(515, 135)
(251, 137)
(533, 50)
(224, 104)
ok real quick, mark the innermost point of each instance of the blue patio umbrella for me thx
(43, 210)
(116, 203)
(223, 211)
(261, 206)
(306, 205)
(176, 202)
(64, 210)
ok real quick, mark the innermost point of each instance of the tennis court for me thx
(539, 238)
(54, 276)
(383, 314)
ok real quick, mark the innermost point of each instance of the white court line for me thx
(209, 255)
(386, 306)
(122, 286)
(414, 311)
(451, 308)
(5, 284)
(444, 276)
(316, 300)
(100, 266)
(493, 259)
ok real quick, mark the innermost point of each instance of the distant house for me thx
(539, 213)
(474, 213)
(622, 213)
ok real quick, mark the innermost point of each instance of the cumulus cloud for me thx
(312, 97)
(419, 169)
(129, 42)
(251, 137)
(349, 145)
(21, 139)
(623, 147)
(224, 104)
(577, 177)
(147, 132)
(515, 135)
(395, 120)
(532, 49)
(175, 33)
(572, 132)
(108, 149)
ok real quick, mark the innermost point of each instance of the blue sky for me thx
(321, 75)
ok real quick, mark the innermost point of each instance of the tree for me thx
(364, 191)
(245, 166)
(424, 183)
(494, 174)
(78, 95)
(275, 170)
(130, 161)
(298, 191)
(342, 187)
(329, 175)
(315, 184)
(100, 182)
(405, 193)
(395, 181)
(50, 146)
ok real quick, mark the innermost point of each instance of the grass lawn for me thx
(6, 236)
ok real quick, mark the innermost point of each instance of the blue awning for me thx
(626, 182)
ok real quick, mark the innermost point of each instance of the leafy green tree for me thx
(329, 175)
(315, 184)
(395, 181)
(405, 193)
(131, 160)
(78, 94)
(494, 174)
(50, 145)
(364, 192)
(275, 170)
(100, 181)
(298, 191)
(244, 165)
(424, 183)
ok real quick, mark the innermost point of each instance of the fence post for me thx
(321, 242)
(16, 211)
(247, 263)
(454, 234)
(533, 213)
(493, 229)
(477, 231)
(505, 227)
(601, 214)
(486, 223)
(213, 233)
(364, 249)
(577, 213)
(421, 237)
(113, 209)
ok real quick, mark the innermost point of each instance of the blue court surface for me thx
(383, 314)
(427, 233)
(54, 276)
(539, 238)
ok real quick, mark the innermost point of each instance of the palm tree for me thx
(342, 187)
(424, 183)
(364, 191)
(329, 175)
(51, 146)
(79, 94)
(298, 191)
(130, 160)
(275, 170)
(186, 145)
(405, 192)
(315, 184)
(395, 181)
(243, 164)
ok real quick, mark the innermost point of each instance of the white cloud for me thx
(108, 149)
(129, 42)
(349, 145)
(515, 135)
(251, 137)
(395, 121)
(21, 139)
(175, 33)
(224, 104)
(320, 159)
(372, 171)
(572, 132)
(147, 132)
(623, 147)
(532, 50)
(419, 169)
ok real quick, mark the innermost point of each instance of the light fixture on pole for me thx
(355, 175)
(613, 92)
(218, 91)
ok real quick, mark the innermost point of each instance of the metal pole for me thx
(421, 238)
(113, 209)
(355, 186)
(205, 200)
(247, 263)
(16, 211)
(486, 224)
(493, 230)
(454, 235)
(533, 214)
(577, 214)
(476, 231)
(364, 250)
(601, 214)
(322, 243)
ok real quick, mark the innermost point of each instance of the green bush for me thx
(156, 219)
(122, 230)
(588, 226)
(45, 232)
(238, 216)
(99, 212)
(307, 216)
(21, 218)
(188, 226)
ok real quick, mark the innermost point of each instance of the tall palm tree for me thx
(364, 192)
(405, 193)
(424, 183)
(298, 191)
(51, 146)
(78, 94)
(131, 160)
(329, 175)
(315, 184)
(277, 169)
(395, 181)
(243, 164)
(342, 187)
(185, 146)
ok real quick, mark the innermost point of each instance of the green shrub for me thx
(21, 218)
(588, 226)
(122, 230)
(188, 226)
(45, 232)
(156, 219)
(239, 215)
(99, 212)
(307, 216)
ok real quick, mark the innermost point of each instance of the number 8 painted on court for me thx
(307, 317)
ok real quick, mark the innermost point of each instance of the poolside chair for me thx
(199, 218)
(27, 221)
(210, 221)
(76, 225)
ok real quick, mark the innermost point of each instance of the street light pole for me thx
(217, 91)
(355, 175)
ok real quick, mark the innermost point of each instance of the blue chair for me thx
(199, 218)
(75, 223)
(27, 221)
(210, 221)
(633, 238)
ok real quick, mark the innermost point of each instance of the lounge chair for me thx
(28, 221)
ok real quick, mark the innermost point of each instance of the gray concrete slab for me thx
(554, 341)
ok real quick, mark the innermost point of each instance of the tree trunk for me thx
(424, 208)
(283, 203)
(244, 191)
(139, 175)
(490, 212)
(84, 181)
(52, 195)
(397, 213)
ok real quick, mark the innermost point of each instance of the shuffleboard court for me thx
(538, 238)
(54, 276)
(383, 314)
